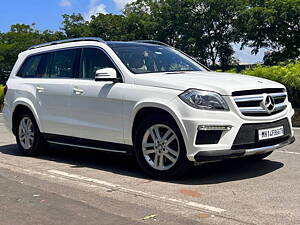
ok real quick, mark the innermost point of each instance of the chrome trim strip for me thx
(258, 109)
(268, 148)
(279, 106)
(248, 98)
(81, 146)
(279, 95)
(252, 110)
(214, 127)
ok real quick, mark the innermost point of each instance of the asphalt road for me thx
(76, 186)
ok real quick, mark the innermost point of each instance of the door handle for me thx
(77, 91)
(40, 89)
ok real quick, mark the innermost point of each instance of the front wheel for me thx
(160, 148)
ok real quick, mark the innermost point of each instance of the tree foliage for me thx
(205, 29)
(274, 24)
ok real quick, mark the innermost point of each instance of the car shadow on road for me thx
(211, 173)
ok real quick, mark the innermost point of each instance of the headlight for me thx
(203, 100)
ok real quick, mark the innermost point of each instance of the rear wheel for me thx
(28, 136)
(160, 148)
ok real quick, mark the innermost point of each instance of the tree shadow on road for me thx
(212, 173)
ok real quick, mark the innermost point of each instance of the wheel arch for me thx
(148, 108)
(20, 105)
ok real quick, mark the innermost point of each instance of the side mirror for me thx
(106, 74)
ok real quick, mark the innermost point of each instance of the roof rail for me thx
(66, 41)
(153, 42)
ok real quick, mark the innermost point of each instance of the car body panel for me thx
(106, 111)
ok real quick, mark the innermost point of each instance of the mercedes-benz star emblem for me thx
(269, 103)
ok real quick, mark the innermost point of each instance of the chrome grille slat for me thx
(253, 104)
(248, 98)
(279, 107)
(252, 110)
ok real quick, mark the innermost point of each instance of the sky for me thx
(47, 14)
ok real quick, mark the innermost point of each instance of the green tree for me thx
(19, 38)
(272, 24)
(75, 26)
(109, 27)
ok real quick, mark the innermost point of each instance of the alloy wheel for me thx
(160, 147)
(26, 133)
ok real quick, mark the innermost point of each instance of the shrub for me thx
(1, 95)
(286, 74)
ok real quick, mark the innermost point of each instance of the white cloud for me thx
(94, 8)
(121, 3)
(65, 3)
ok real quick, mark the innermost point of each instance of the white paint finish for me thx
(142, 193)
(106, 111)
(53, 105)
(97, 112)
(223, 83)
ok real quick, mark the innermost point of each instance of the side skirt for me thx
(88, 143)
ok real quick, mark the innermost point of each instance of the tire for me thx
(150, 162)
(29, 139)
(258, 156)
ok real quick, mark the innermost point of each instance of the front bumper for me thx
(192, 120)
(206, 156)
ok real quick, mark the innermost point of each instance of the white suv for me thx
(142, 97)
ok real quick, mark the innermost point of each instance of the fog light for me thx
(214, 127)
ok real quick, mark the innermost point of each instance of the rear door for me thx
(53, 90)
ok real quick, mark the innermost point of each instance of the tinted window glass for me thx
(30, 66)
(92, 60)
(63, 64)
(153, 58)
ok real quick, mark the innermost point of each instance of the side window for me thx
(63, 64)
(93, 59)
(30, 67)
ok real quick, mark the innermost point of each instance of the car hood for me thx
(223, 83)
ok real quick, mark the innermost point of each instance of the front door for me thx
(96, 107)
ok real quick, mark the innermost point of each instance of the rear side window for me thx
(30, 67)
(58, 64)
(92, 60)
(63, 63)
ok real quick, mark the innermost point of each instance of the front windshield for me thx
(154, 59)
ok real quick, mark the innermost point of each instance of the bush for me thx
(286, 74)
(1, 95)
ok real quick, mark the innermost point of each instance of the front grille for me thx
(251, 102)
(247, 136)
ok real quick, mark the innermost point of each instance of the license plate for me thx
(270, 133)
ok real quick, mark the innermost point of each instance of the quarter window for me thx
(30, 67)
(92, 60)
